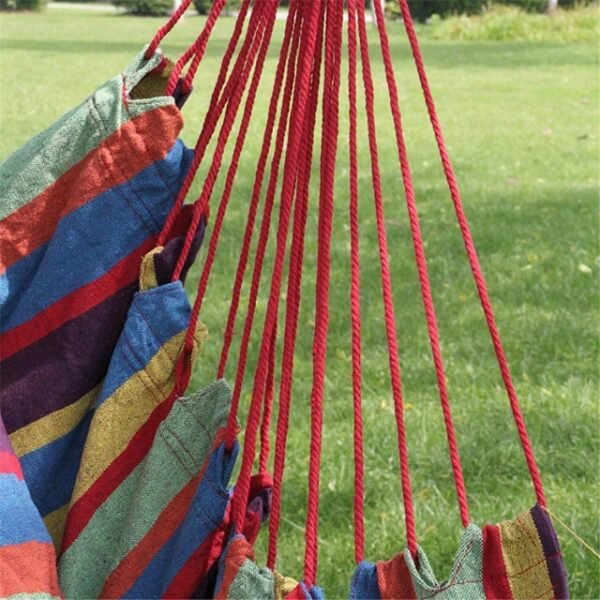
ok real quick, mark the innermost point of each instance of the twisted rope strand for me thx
(386, 285)
(355, 310)
(293, 298)
(300, 101)
(201, 204)
(217, 104)
(421, 260)
(290, 38)
(331, 88)
(473, 258)
(263, 236)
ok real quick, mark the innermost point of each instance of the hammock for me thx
(130, 474)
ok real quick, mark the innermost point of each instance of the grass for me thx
(522, 124)
(509, 23)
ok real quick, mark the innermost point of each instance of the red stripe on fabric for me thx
(10, 464)
(84, 508)
(136, 561)
(194, 570)
(237, 553)
(120, 156)
(394, 580)
(296, 594)
(495, 579)
(76, 303)
(27, 569)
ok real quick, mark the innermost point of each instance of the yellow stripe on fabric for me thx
(283, 585)
(53, 426)
(524, 559)
(122, 414)
(148, 278)
(55, 523)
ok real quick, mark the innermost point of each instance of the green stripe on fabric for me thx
(41, 161)
(252, 583)
(182, 444)
(466, 579)
(33, 596)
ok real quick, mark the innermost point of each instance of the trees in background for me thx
(423, 9)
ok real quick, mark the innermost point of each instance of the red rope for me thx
(196, 49)
(421, 260)
(355, 317)
(386, 284)
(473, 258)
(299, 109)
(213, 114)
(293, 298)
(266, 221)
(265, 447)
(201, 204)
(254, 200)
(162, 32)
(230, 178)
(333, 43)
(184, 370)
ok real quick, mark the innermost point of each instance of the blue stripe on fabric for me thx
(205, 514)
(317, 593)
(51, 471)
(223, 561)
(364, 582)
(19, 519)
(94, 238)
(14, 281)
(154, 317)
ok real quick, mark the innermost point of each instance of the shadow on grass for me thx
(505, 55)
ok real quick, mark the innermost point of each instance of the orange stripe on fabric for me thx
(120, 156)
(10, 465)
(28, 568)
(238, 552)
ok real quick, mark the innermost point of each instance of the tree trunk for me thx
(551, 6)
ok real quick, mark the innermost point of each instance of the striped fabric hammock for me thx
(114, 479)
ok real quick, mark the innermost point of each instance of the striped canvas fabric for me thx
(81, 204)
(516, 559)
(150, 507)
(240, 577)
(27, 556)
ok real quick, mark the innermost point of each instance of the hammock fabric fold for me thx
(511, 560)
(84, 201)
(114, 478)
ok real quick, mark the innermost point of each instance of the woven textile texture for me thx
(515, 559)
(81, 204)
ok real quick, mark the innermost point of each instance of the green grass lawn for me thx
(521, 120)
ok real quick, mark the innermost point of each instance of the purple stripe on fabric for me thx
(5, 445)
(551, 546)
(165, 262)
(65, 365)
